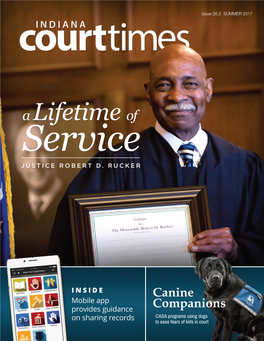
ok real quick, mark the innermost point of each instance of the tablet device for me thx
(35, 291)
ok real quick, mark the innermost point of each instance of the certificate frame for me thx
(82, 206)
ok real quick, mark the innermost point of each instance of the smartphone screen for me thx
(36, 299)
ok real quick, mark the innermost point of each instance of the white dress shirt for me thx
(200, 141)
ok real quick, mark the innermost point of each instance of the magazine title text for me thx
(72, 36)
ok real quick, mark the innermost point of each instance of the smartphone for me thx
(35, 291)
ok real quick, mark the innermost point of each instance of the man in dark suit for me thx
(177, 152)
(36, 199)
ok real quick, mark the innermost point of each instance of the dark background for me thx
(232, 47)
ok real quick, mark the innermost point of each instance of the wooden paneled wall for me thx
(232, 47)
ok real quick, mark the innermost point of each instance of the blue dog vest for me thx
(250, 299)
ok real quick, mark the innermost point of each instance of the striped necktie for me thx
(186, 153)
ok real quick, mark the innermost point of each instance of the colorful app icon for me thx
(34, 283)
(24, 336)
(19, 284)
(36, 301)
(22, 320)
(50, 282)
(39, 335)
(51, 300)
(21, 302)
(38, 318)
(53, 317)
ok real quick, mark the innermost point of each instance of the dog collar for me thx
(250, 299)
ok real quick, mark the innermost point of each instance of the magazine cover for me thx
(131, 147)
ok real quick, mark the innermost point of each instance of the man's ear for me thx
(147, 88)
(209, 89)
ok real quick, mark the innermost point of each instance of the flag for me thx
(6, 210)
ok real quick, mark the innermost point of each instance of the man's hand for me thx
(219, 241)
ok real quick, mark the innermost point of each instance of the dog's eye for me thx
(219, 267)
(208, 268)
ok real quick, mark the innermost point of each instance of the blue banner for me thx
(144, 304)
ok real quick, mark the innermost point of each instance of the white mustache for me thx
(180, 106)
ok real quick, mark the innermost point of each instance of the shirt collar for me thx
(200, 140)
(47, 197)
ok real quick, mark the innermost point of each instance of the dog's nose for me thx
(215, 277)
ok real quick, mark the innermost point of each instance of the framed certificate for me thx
(138, 228)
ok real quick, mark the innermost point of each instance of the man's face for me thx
(37, 179)
(178, 92)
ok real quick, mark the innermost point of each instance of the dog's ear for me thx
(198, 268)
(227, 266)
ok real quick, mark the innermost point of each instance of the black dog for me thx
(255, 330)
(221, 286)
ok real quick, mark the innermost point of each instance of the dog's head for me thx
(214, 271)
